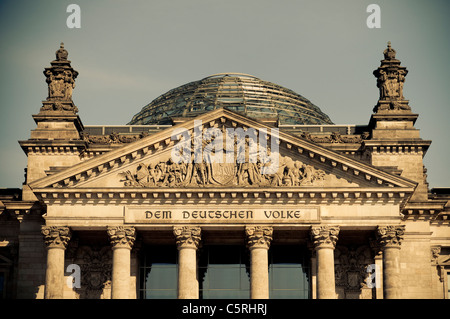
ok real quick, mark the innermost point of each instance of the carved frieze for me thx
(390, 236)
(324, 236)
(56, 236)
(187, 236)
(122, 236)
(335, 137)
(243, 168)
(259, 236)
(113, 138)
(170, 174)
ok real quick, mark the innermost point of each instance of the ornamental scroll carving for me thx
(390, 236)
(324, 236)
(56, 236)
(335, 137)
(258, 236)
(113, 138)
(122, 236)
(187, 236)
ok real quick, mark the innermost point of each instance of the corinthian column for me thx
(390, 238)
(187, 239)
(56, 239)
(258, 242)
(324, 240)
(122, 239)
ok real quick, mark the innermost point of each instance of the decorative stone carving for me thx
(324, 236)
(170, 174)
(335, 137)
(390, 79)
(390, 236)
(56, 236)
(96, 268)
(122, 236)
(259, 236)
(187, 236)
(113, 138)
(61, 54)
(60, 78)
(435, 252)
(351, 267)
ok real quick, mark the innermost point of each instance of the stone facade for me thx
(358, 203)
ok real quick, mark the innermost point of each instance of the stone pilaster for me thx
(258, 242)
(187, 240)
(122, 239)
(56, 240)
(390, 238)
(324, 239)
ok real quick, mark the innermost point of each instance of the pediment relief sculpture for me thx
(246, 169)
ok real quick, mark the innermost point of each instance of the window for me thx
(288, 273)
(159, 273)
(224, 272)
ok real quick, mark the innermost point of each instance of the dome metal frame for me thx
(239, 92)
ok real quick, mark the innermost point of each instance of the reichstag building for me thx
(225, 187)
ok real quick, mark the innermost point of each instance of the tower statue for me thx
(60, 78)
(390, 79)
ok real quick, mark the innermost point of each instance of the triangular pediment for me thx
(289, 163)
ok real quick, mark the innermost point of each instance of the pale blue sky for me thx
(130, 52)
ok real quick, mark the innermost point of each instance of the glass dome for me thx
(238, 92)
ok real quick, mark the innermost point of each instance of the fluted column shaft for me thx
(258, 242)
(56, 239)
(187, 240)
(390, 238)
(122, 239)
(324, 240)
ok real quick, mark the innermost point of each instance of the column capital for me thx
(187, 236)
(56, 236)
(390, 236)
(121, 236)
(324, 236)
(259, 236)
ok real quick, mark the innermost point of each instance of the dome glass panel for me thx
(238, 92)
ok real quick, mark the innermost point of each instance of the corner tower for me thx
(395, 143)
(55, 142)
